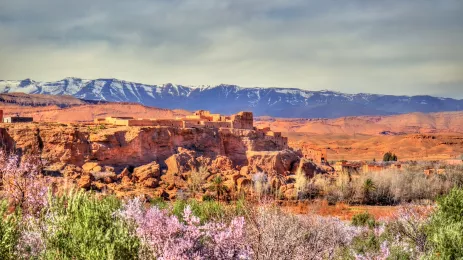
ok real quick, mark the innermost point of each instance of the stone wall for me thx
(200, 119)
(318, 155)
(243, 120)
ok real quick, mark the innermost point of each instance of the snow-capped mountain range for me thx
(277, 102)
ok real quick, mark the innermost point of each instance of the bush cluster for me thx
(81, 225)
(389, 187)
(389, 157)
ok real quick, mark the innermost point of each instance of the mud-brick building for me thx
(17, 119)
(242, 120)
(200, 119)
(318, 155)
(14, 119)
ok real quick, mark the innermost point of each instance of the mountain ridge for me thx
(227, 99)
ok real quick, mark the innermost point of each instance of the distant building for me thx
(202, 119)
(454, 162)
(199, 119)
(17, 119)
(347, 167)
(431, 171)
(318, 155)
(378, 167)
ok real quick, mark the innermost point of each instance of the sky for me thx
(410, 47)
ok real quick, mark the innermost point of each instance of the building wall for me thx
(192, 123)
(120, 120)
(279, 140)
(373, 168)
(169, 122)
(213, 124)
(243, 120)
(1, 115)
(316, 155)
(18, 119)
(454, 162)
(201, 118)
(99, 120)
(141, 122)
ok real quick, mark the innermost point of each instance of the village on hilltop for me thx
(243, 120)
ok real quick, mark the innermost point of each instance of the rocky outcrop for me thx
(272, 162)
(122, 146)
(145, 172)
(183, 161)
(85, 182)
(310, 169)
(167, 159)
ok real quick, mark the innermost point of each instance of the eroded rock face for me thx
(310, 169)
(124, 159)
(132, 145)
(145, 172)
(85, 181)
(272, 162)
(183, 161)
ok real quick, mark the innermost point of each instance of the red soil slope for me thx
(86, 113)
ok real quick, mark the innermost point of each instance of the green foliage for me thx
(368, 187)
(86, 228)
(159, 202)
(197, 179)
(388, 157)
(218, 186)
(446, 226)
(399, 253)
(363, 219)
(241, 207)
(96, 128)
(207, 197)
(9, 231)
(366, 243)
(204, 210)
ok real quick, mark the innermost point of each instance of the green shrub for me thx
(208, 197)
(389, 157)
(363, 219)
(400, 253)
(159, 202)
(9, 231)
(85, 227)
(446, 226)
(204, 210)
(366, 243)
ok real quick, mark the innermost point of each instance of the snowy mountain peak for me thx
(223, 98)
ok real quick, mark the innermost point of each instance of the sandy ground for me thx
(369, 147)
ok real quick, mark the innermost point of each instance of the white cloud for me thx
(397, 47)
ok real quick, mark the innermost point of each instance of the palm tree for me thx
(368, 187)
(217, 186)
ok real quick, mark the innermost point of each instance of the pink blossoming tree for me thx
(166, 237)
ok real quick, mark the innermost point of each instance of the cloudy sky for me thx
(376, 46)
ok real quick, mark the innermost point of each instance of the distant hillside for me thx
(72, 112)
(228, 99)
(23, 99)
(444, 122)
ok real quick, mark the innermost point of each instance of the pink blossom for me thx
(22, 182)
(165, 237)
(31, 241)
